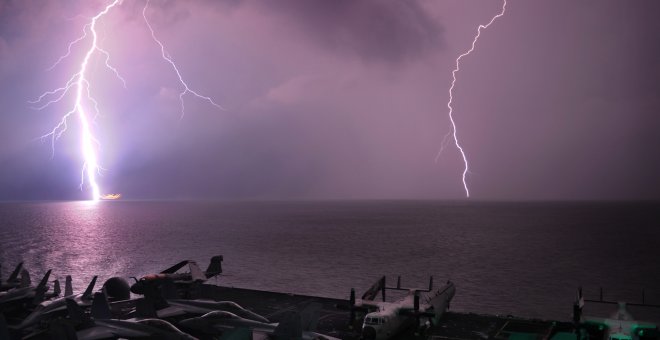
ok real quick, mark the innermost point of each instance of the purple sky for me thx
(341, 99)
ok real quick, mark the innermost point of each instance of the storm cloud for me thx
(341, 99)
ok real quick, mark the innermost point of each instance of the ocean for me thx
(524, 259)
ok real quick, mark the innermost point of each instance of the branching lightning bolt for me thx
(451, 98)
(79, 83)
(167, 57)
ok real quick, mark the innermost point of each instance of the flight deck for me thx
(335, 322)
(156, 304)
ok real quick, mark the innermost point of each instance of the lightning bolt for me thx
(451, 98)
(80, 84)
(83, 101)
(167, 57)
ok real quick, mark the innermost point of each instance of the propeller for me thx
(417, 313)
(577, 307)
(353, 308)
(416, 309)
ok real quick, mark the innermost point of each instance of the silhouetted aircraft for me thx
(47, 308)
(26, 290)
(102, 326)
(180, 307)
(194, 275)
(163, 302)
(13, 280)
(387, 319)
(294, 325)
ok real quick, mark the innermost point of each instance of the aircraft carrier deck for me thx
(335, 322)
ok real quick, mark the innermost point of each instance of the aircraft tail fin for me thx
(68, 288)
(290, 327)
(310, 316)
(14, 275)
(100, 307)
(41, 289)
(372, 292)
(76, 314)
(196, 272)
(215, 267)
(90, 288)
(56, 288)
(237, 334)
(25, 279)
(441, 299)
(175, 267)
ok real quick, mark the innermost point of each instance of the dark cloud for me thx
(372, 29)
(342, 99)
(391, 31)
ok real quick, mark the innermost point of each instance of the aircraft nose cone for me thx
(369, 333)
(137, 288)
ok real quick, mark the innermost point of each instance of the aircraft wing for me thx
(175, 309)
(373, 291)
(175, 267)
(195, 272)
(170, 311)
(368, 304)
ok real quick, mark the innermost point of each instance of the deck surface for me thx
(335, 322)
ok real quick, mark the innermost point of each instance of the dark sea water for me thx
(524, 259)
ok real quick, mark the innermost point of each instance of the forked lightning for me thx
(83, 102)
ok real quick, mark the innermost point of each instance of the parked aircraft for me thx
(290, 328)
(26, 290)
(164, 302)
(13, 280)
(46, 308)
(101, 326)
(194, 275)
(386, 319)
(621, 325)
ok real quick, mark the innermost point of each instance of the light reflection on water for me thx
(507, 258)
(73, 237)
